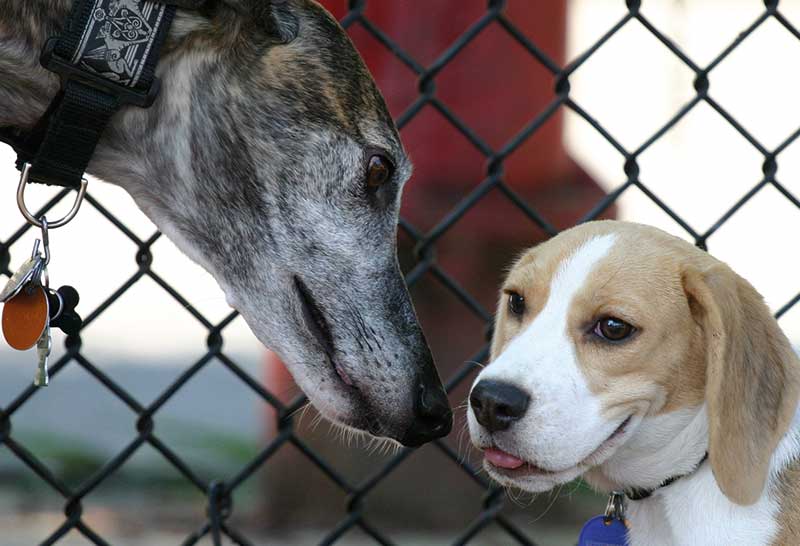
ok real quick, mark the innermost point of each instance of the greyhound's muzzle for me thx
(409, 403)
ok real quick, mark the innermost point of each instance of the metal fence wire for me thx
(219, 492)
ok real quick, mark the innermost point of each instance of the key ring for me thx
(40, 271)
(23, 180)
(45, 225)
(615, 507)
(46, 244)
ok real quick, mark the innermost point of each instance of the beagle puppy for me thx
(633, 359)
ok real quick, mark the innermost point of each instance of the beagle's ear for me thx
(752, 378)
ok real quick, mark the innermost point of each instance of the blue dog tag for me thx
(603, 531)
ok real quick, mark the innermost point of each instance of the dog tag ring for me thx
(25, 317)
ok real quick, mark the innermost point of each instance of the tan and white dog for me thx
(625, 355)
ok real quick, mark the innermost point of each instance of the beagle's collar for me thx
(636, 493)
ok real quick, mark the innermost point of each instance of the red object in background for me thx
(496, 87)
(280, 383)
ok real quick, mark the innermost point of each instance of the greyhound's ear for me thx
(191, 4)
(752, 378)
(275, 17)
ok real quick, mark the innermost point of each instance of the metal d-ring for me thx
(23, 180)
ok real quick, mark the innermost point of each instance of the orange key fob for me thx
(25, 317)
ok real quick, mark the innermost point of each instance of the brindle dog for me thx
(271, 160)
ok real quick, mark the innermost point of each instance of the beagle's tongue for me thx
(502, 459)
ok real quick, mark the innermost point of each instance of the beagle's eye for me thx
(516, 303)
(613, 329)
(379, 171)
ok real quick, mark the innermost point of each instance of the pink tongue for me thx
(502, 459)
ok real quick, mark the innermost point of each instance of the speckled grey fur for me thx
(252, 161)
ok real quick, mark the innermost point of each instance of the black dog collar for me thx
(636, 494)
(106, 57)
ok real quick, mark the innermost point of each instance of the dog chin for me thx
(534, 479)
(345, 408)
(530, 479)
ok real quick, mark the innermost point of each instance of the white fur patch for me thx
(563, 424)
(693, 510)
(662, 445)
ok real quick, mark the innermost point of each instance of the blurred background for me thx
(508, 148)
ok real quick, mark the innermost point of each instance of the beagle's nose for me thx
(496, 405)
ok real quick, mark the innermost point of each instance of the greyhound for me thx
(271, 160)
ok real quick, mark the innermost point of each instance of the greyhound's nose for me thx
(432, 416)
(496, 405)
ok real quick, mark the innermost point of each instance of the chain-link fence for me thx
(221, 490)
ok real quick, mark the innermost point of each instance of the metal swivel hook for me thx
(23, 181)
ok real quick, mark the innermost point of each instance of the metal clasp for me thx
(615, 507)
(23, 181)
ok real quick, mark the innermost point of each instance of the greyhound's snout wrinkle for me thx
(314, 317)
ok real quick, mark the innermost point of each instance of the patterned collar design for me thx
(118, 38)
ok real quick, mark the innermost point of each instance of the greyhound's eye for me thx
(379, 172)
(516, 303)
(613, 329)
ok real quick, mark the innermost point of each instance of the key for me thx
(43, 348)
(31, 307)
